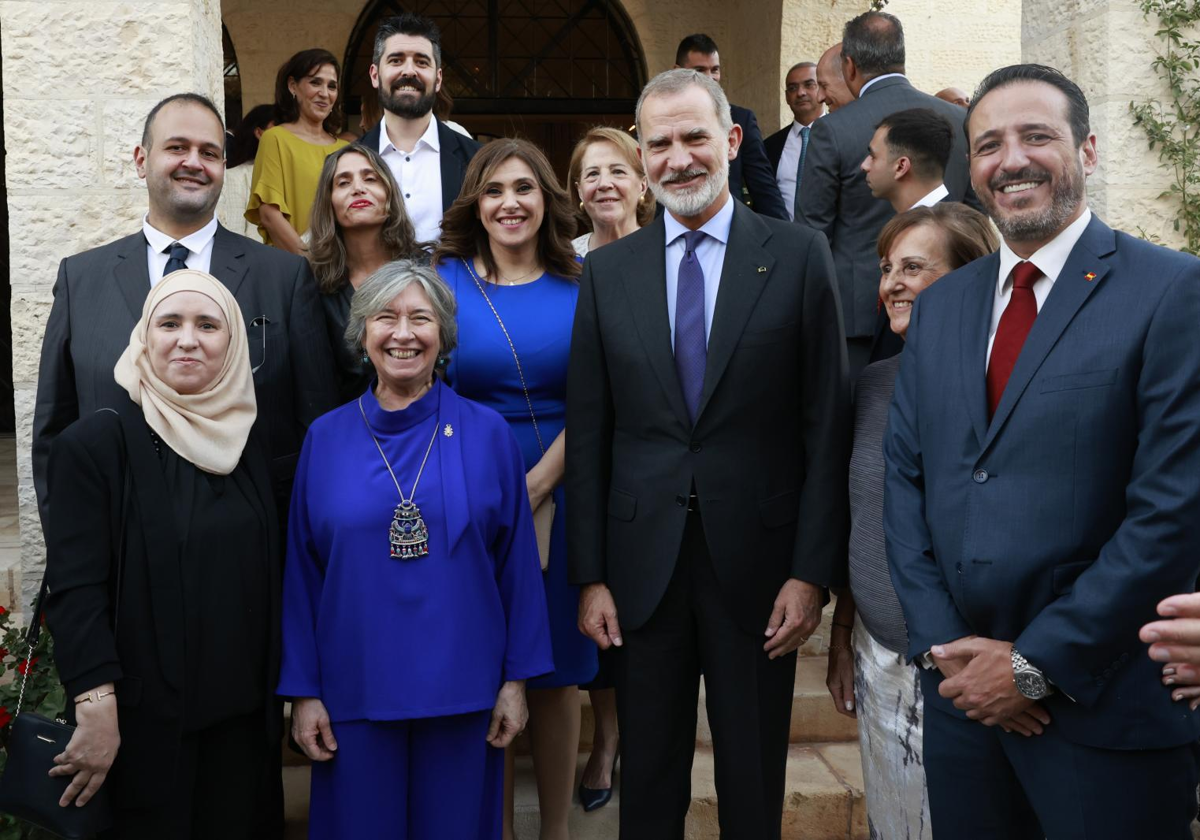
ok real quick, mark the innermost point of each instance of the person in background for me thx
(607, 181)
(163, 566)
(359, 224)
(239, 170)
(506, 255)
(290, 155)
(906, 159)
(786, 147)
(1175, 641)
(413, 610)
(830, 81)
(868, 676)
(954, 96)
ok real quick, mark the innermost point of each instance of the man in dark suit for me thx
(836, 199)
(708, 409)
(786, 147)
(427, 157)
(751, 176)
(1042, 494)
(99, 294)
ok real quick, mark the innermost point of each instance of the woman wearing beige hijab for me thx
(163, 569)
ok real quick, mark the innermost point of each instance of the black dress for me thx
(353, 372)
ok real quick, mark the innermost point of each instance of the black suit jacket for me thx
(753, 170)
(144, 655)
(837, 201)
(98, 299)
(455, 151)
(767, 455)
(774, 145)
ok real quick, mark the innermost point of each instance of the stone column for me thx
(1106, 48)
(79, 79)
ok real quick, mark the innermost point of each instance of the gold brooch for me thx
(448, 431)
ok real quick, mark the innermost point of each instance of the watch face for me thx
(1031, 685)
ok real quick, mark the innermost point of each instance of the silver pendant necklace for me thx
(408, 535)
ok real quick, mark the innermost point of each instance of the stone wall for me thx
(1107, 47)
(79, 78)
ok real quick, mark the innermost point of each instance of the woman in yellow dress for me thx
(291, 154)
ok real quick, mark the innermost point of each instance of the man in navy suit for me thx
(1043, 495)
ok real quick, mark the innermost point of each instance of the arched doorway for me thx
(541, 69)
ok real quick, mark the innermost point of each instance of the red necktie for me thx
(1015, 324)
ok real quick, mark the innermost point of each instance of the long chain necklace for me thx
(408, 535)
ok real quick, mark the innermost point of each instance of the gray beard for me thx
(695, 201)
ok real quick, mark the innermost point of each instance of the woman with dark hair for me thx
(290, 155)
(506, 253)
(868, 677)
(359, 224)
(239, 169)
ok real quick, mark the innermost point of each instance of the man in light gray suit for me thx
(836, 199)
(99, 294)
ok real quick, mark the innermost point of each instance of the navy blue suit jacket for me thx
(753, 169)
(1060, 524)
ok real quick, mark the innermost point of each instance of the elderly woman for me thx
(413, 610)
(358, 225)
(607, 180)
(162, 560)
(505, 252)
(291, 154)
(867, 672)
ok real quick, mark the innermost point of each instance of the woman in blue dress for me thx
(413, 608)
(506, 254)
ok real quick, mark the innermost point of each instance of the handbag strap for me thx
(34, 631)
(512, 347)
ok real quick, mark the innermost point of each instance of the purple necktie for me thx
(691, 348)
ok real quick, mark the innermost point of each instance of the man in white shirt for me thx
(786, 147)
(427, 157)
(906, 159)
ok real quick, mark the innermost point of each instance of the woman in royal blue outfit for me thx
(413, 608)
(506, 254)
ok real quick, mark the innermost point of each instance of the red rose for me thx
(2, 610)
(5, 716)
(24, 665)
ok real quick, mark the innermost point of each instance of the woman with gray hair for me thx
(413, 607)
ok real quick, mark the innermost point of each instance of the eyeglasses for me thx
(793, 88)
(261, 321)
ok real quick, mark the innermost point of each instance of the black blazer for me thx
(753, 170)
(98, 299)
(775, 143)
(767, 456)
(456, 151)
(145, 656)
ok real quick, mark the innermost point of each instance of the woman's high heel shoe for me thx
(593, 798)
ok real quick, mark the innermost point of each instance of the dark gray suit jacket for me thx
(837, 201)
(767, 454)
(98, 299)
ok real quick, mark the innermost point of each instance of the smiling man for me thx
(427, 157)
(785, 147)
(707, 407)
(1042, 461)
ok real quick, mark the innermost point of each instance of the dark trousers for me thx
(986, 784)
(749, 700)
(226, 785)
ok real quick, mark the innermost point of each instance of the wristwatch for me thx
(1031, 682)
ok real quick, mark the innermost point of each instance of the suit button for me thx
(695, 446)
(681, 501)
(980, 476)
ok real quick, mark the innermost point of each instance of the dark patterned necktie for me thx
(1015, 324)
(691, 348)
(800, 171)
(177, 261)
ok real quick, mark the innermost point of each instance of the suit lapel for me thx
(228, 262)
(976, 321)
(451, 161)
(1071, 290)
(132, 274)
(646, 292)
(742, 281)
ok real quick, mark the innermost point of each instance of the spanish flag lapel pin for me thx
(1090, 276)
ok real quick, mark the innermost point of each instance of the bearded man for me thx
(707, 404)
(1042, 496)
(426, 156)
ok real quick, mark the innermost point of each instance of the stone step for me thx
(823, 799)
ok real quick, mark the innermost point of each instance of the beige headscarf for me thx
(210, 428)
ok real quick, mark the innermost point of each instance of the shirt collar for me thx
(877, 79)
(797, 125)
(717, 227)
(1051, 257)
(429, 138)
(194, 242)
(932, 198)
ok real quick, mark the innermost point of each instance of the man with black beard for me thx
(427, 158)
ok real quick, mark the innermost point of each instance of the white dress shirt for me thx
(876, 79)
(1049, 259)
(711, 254)
(199, 245)
(418, 173)
(932, 198)
(789, 163)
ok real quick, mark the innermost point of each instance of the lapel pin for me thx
(762, 269)
(1090, 276)
(448, 431)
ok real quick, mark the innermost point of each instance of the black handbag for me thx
(27, 791)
